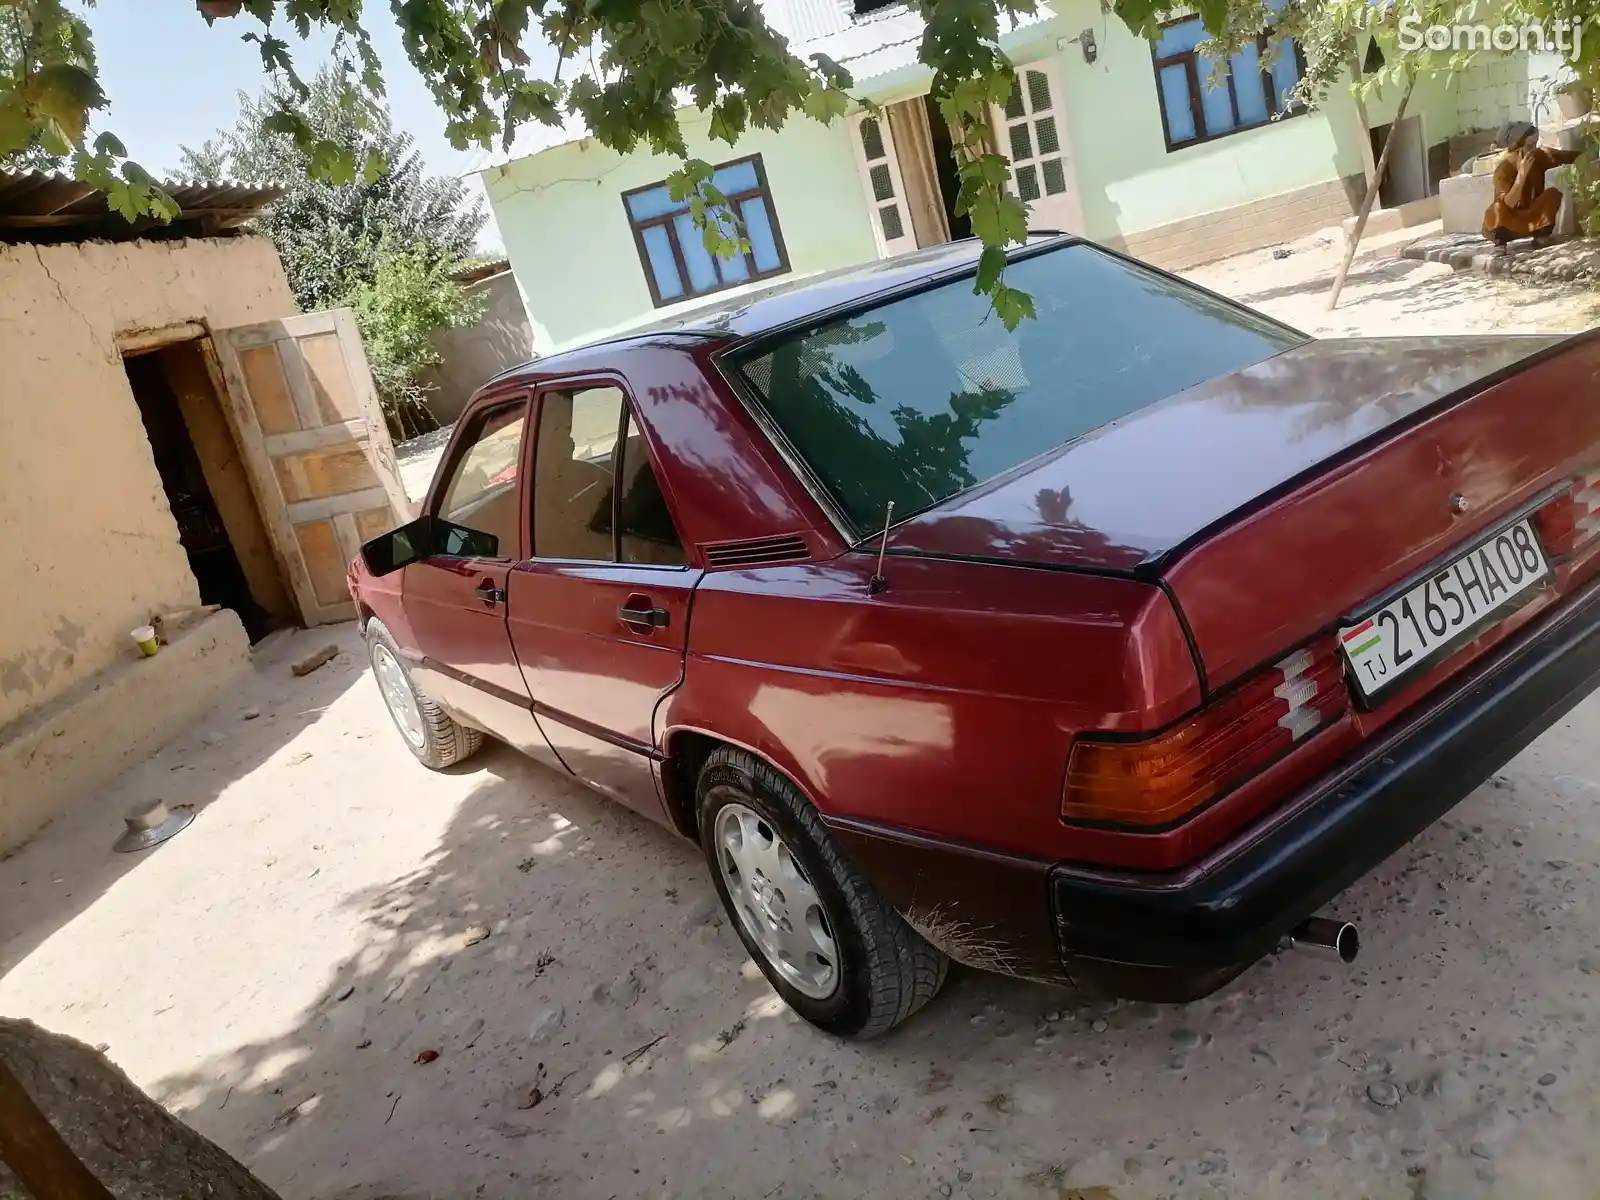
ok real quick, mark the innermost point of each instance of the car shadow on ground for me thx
(70, 864)
(552, 1004)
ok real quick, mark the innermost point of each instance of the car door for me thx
(599, 612)
(455, 603)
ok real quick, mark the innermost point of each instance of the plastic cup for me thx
(144, 637)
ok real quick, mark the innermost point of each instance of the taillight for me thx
(1571, 521)
(1154, 781)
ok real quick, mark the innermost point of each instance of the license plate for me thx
(1444, 610)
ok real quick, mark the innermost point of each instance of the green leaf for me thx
(54, 139)
(688, 179)
(1010, 305)
(991, 263)
(374, 167)
(16, 130)
(728, 119)
(108, 144)
(835, 75)
(825, 104)
(120, 199)
(332, 163)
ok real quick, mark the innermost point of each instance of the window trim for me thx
(1188, 60)
(458, 449)
(763, 189)
(630, 411)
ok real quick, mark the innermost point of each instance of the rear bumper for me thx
(1181, 934)
(1235, 905)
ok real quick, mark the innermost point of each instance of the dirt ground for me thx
(274, 973)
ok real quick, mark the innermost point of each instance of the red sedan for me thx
(1105, 650)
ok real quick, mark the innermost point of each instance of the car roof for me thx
(750, 314)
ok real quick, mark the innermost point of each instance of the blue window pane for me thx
(758, 228)
(1214, 101)
(1247, 89)
(733, 270)
(657, 202)
(1185, 35)
(702, 272)
(1285, 73)
(1175, 103)
(659, 250)
(741, 177)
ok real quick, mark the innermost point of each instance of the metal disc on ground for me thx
(152, 825)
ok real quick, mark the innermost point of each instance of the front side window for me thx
(482, 490)
(1194, 108)
(923, 397)
(672, 251)
(587, 442)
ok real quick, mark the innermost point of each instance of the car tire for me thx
(430, 733)
(883, 971)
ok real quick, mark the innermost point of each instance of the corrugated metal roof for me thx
(870, 47)
(41, 207)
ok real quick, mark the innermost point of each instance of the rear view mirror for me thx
(423, 538)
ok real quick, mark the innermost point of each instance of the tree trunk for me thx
(1368, 167)
(34, 1151)
(1371, 197)
(74, 1127)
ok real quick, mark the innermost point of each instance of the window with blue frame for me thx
(1256, 90)
(672, 251)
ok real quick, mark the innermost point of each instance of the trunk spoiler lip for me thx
(1154, 567)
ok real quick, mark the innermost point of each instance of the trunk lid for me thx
(1275, 499)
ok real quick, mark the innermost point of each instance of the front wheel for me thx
(430, 733)
(827, 942)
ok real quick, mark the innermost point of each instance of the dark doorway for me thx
(196, 458)
(944, 159)
(1407, 177)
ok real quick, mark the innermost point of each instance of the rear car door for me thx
(455, 604)
(599, 613)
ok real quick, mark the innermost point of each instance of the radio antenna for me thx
(878, 581)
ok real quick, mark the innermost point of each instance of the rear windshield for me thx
(923, 397)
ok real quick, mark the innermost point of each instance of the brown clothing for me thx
(1522, 204)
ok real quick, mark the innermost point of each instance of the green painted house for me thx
(1111, 136)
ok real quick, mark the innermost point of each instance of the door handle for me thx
(490, 594)
(641, 617)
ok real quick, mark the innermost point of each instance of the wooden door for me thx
(1031, 131)
(881, 184)
(314, 438)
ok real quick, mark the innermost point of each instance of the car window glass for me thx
(482, 491)
(573, 473)
(646, 533)
(928, 395)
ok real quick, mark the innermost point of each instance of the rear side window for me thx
(588, 442)
(923, 397)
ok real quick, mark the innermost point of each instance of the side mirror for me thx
(424, 538)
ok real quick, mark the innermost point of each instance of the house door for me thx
(1031, 131)
(881, 182)
(318, 450)
(599, 615)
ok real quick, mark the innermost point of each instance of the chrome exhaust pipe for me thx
(1326, 938)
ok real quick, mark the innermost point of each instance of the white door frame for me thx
(882, 185)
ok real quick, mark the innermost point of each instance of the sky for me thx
(173, 80)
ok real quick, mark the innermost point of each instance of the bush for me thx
(386, 244)
(405, 300)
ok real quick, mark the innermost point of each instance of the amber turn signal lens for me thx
(1158, 780)
(1571, 520)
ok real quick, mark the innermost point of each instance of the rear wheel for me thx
(430, 733)
(827, 942)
